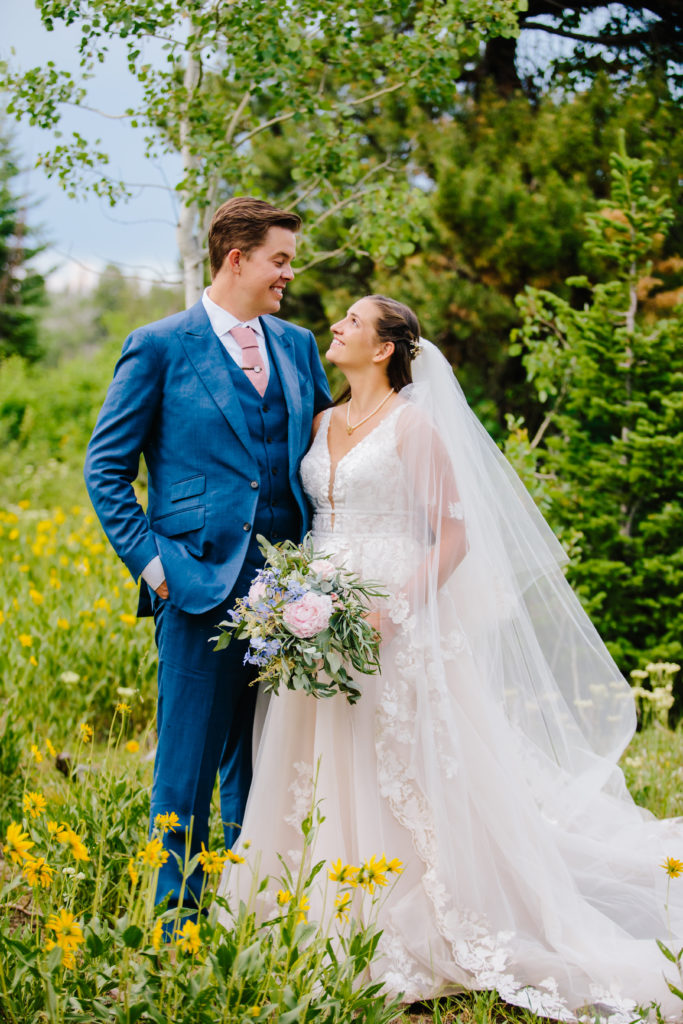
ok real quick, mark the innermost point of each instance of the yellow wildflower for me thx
(53, 828)
(133, 871)
(302, 906)
(102, 604)
(37, 756)
(62, 623)
(26, 640)
(153, 854)
(395, 866)
(34, 804)
(343, 904)
(86, 732)
(188, 939)
(127, 619)
(132, 746)
(346, 874)
(373, 873)
(67, 930)
(14, 534)
(36, 596)
(56, 584)
(166, 822)
(673, 867)
(24, 568)
(2, 616)
(212, 861)
(17, 844)
(283, 897)
(68, 837)
(24, 503)
(38, 872)
(50, 748)
(68, 956)
(122, 708)
(33, 660)
(63, 561)
(233, 857)
(253, 1011)
(157, 935)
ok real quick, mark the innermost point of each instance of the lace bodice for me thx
(361, 504)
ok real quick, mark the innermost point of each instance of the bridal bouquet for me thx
(305, 621)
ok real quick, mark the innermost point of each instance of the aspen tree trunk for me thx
(190, 244)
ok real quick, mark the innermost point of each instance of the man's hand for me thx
(162, 590)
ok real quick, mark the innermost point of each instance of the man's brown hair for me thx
(243, 223)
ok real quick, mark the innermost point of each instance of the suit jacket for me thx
(172, 400)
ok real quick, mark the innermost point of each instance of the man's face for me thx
(266, 272)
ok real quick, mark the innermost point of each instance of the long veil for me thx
(509, 781)
(534, 645)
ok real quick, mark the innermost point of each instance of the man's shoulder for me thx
(176, 323)
(284, 326)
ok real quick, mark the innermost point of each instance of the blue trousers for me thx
(205, 716)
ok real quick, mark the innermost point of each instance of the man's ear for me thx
(233, 261)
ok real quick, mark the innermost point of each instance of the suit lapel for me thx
(202, 347)
(280, 347)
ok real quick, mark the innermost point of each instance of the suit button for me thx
(274, 470)
(269, 440)
(254, 484)
(247, 527)
(265, 407)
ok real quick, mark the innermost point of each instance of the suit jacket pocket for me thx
(188, 488)
(182, 521)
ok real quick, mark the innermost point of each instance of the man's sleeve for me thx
(113, 455)
(321, 389)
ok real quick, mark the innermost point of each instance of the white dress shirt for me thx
(222, 323)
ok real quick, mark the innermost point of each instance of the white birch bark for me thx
(190, 244)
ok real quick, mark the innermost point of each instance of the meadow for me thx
(80, 939)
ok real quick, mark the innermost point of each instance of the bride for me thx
(485, 755)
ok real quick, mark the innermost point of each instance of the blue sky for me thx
(88, 233)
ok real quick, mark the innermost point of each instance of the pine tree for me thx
(609, 453)
(22, 289)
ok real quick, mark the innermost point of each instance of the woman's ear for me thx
(384, 352)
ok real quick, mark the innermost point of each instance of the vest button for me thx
(247, 527)
(254, 484)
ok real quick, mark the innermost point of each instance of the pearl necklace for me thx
(350, 429)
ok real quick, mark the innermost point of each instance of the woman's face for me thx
(354, 339)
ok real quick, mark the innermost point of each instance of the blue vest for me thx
(277, 513)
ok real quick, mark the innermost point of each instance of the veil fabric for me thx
(534, 646)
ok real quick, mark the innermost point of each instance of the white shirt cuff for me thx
(153, 574)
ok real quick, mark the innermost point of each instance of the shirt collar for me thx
(223, 321)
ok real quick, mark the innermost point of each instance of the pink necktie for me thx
(253, 365)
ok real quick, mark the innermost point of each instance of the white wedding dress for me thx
(524, 873)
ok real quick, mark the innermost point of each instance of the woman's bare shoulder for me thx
(317, 420)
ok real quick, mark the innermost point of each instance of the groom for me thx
(219, 400)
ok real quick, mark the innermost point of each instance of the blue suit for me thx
(205, 434)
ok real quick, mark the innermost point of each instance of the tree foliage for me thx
(610, 377)
(233, 74)
(22, 288)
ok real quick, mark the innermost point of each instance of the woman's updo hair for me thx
(397, 323)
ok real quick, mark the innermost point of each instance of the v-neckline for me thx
(332, 477)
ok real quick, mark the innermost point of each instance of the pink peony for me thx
(308, 615)
(257, 592)
(322, 567)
